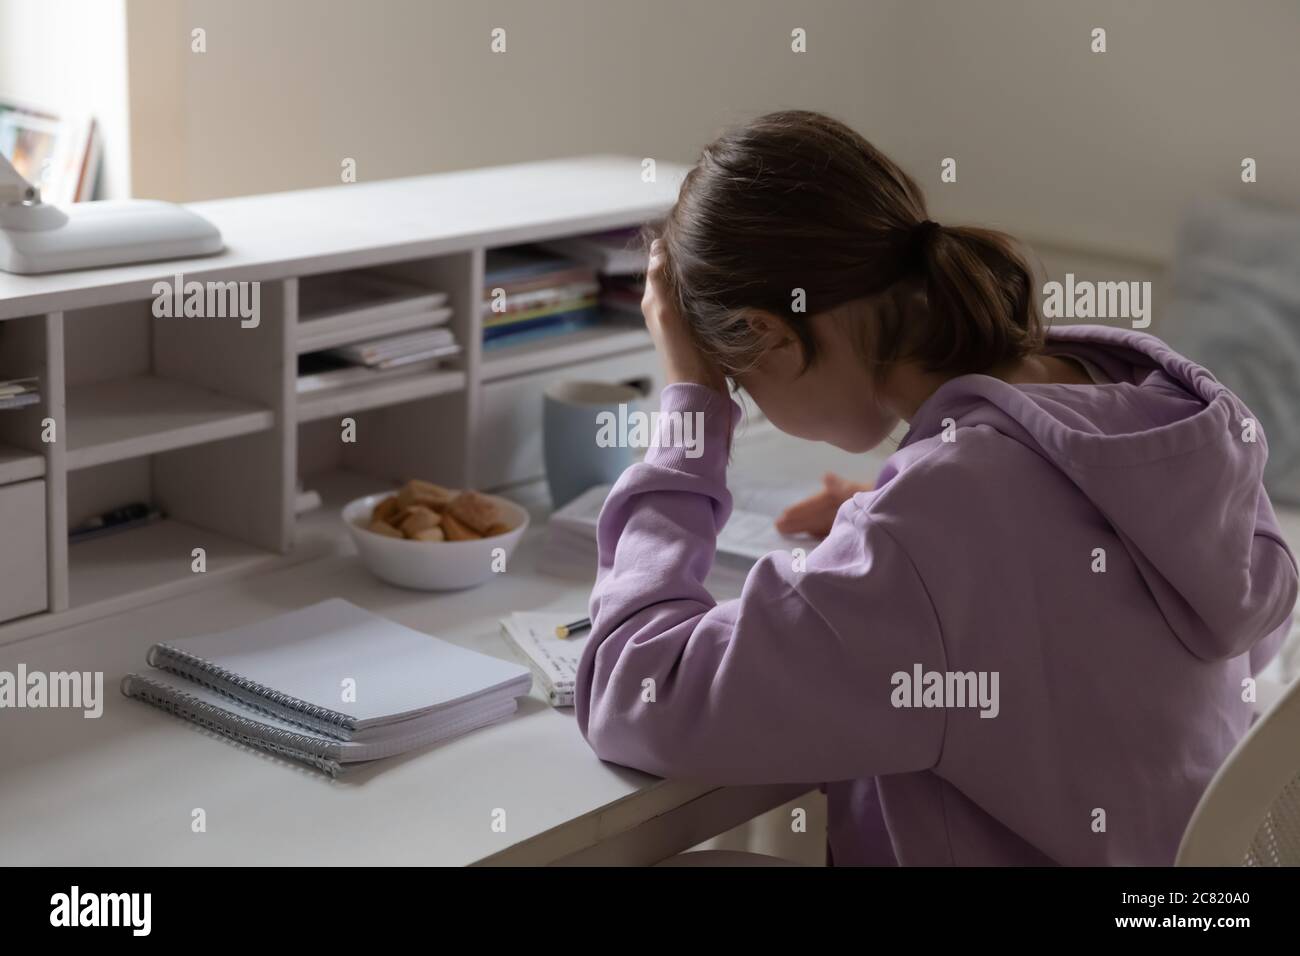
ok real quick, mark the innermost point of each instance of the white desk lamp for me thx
(36, 237)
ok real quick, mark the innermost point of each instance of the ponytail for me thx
(979, 300)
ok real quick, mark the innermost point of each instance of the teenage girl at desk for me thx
(1075, 520)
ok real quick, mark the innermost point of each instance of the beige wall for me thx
(1056, 141)
(290, 88)
(1052, 141)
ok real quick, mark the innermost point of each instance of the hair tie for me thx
(925, 228)
(914, 245)
(918, 237)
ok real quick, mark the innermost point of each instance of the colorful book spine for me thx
(539, 328)
(529, 315)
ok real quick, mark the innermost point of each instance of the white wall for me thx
(70, 56)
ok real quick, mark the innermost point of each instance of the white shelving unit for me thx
(389, 391)
(16, 464)
(598, 341)
(116, 572)
(128, 418)
(202, 417)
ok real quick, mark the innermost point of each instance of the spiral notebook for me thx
(329, 684)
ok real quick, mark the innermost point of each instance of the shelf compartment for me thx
(322, 334)
(153, 562)
(322, 528)
(506, 447)
(19, 465)
(591, 342)
(388, 390)
(24, 586)
(362, 295)
(28, 349)
(144, 415)
(342, 307)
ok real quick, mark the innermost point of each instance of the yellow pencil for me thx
(567, 630)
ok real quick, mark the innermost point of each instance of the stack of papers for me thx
(361, 327)
(375, 360)
(19, 392)
(397, 350)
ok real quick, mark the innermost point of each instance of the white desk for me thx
(121, 789)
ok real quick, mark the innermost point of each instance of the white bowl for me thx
(432, 565)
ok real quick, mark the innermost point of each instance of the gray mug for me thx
(577, 451)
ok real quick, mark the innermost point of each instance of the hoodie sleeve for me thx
(791, 682)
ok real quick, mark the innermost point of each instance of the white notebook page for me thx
(396, 672)
(555, 659)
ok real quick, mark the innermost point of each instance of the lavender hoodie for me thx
(980, 550)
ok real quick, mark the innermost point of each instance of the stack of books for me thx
(361, 362)
(19, 392)
(529, 292)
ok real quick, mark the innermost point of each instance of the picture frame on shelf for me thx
(59, 154)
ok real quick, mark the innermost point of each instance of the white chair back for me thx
(1250, 813)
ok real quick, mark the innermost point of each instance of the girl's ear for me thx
(780, 352)
(770, 331)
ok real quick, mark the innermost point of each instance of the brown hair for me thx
(798, 201)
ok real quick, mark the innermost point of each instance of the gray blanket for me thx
(1236, 310)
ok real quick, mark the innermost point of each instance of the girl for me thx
(1027, 644)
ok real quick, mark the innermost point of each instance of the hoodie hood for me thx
(1173, 461)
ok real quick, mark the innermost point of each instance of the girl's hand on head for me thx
(815, 515)
(683, 361)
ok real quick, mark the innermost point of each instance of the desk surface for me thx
(121, 789)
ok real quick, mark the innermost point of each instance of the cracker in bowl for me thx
(423, 511)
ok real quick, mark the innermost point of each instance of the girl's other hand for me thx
(683, 361)
(815, 515)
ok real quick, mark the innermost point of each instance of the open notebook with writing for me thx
(329, 684)
(554, 660)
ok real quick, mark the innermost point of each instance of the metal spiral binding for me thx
(258, 696)
(286, 743)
